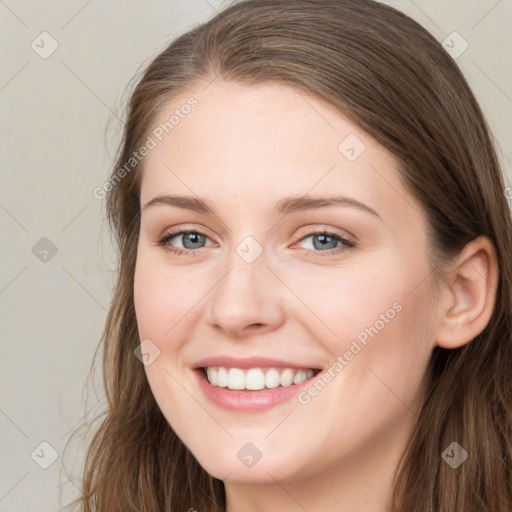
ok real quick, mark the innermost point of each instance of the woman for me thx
(313, 310)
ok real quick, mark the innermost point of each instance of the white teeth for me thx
(236, 379)
(255, 379)
(300, 376)
(272, 378)
(287, 377)
(213, 376)
(222, 377)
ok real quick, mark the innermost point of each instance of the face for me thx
(284, 260)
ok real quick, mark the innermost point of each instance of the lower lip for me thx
(248, 401)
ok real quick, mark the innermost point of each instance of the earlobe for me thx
(469, 294)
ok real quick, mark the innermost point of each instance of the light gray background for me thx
(56, 149)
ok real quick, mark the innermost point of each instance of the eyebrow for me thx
(283, 207)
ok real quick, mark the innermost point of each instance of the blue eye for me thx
(190, 240)
(324, 242)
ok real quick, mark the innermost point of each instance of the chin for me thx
(244, 462)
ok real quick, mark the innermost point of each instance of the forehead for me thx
(252, 145)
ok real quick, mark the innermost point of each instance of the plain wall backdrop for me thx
(64, 70)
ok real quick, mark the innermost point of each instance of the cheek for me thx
(377, 376)
(161, 300)
(373, 317)
(390, 335)
(338, 303)
(148, 306)
(163, 296)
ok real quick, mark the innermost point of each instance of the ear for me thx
(469, 294)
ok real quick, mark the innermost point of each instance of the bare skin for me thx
(243, 150)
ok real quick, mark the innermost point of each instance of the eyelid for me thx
(324, 228)
(346, 243)
(178, 229)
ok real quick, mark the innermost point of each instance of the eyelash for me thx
(346, 243)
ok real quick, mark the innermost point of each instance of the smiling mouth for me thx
(255, 379)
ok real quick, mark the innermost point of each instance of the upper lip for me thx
(249, 362)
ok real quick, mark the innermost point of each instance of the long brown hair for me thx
(391, 78)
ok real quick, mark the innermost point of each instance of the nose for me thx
(247, 300)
